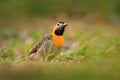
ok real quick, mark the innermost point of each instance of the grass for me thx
(91, 52)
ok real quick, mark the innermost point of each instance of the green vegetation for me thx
(105, 8)
(92, 39)
(94, 54)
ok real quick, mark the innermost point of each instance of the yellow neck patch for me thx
(57, 40)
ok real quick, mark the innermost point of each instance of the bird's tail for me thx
(28, 58)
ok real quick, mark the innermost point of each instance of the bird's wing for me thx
(40, 43)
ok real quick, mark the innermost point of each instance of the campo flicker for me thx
(49, 43)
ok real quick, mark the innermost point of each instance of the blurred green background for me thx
(46, 7)
(92, 39)
(12, 10)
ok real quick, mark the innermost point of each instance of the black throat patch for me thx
(60, 31)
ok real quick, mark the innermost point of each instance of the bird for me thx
(50, 43)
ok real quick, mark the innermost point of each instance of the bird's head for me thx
(57, 33)
(59, 28)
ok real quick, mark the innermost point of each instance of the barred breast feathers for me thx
(40, 43)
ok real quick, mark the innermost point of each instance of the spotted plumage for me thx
(40, 43)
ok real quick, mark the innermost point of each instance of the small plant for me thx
(83, 51)
(6, 55)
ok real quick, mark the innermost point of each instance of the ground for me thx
(91, 52)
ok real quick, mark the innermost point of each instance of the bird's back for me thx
(43, 42)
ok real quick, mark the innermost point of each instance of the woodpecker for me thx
(50, 43)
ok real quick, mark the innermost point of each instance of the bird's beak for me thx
(65, 24)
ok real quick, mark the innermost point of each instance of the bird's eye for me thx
(57, 24)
